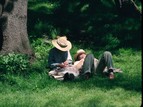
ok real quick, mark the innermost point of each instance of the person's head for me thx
(62, 44)
(80, 54)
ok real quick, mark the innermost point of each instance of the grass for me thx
(38, 90)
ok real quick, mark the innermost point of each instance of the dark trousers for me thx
(104, 61)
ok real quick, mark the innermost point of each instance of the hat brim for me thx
(67, 48)
(76, 55)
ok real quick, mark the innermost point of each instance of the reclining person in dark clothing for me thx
(60, 60)
(87, 64)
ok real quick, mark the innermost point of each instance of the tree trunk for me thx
(13, 27)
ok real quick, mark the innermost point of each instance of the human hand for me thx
(66, 63)
(62, 65)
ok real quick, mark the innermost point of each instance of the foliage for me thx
(41, 47)
(40, 24)
(87, 21)
(111, 42)
(14, 63)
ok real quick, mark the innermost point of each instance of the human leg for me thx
(105, 61)
(88, 66)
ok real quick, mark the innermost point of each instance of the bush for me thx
(14, 63)
(111, 41)
(41, 48)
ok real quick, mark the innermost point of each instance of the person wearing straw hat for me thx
(87, 64)
(60, 60)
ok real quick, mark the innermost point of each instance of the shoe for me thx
(111, 76)
(66, 76)
(69, 77)
(87, 75)
(111, 73)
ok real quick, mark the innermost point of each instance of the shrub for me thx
(14, 63)
(41, 48)
(111, 41)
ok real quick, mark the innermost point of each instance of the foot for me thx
(87, 75)
(69, 77)
(66, 76)
(111, 74)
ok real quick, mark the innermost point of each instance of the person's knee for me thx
(107, 53)
(90, 56)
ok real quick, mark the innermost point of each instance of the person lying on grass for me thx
(88, 65)
(62, 68)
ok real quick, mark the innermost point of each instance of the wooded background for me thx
(94, 23)
(100, 23)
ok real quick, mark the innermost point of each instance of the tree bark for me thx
(13, 27)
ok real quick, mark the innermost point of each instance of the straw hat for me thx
(62, 43)
(79, 52)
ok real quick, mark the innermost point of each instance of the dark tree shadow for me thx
(121, 80)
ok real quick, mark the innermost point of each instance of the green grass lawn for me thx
(38, 90)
